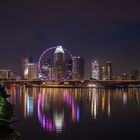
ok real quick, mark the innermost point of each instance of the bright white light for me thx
(124, 98)
(59, 120)
(26, 72)
(92, 85)
(95, 70)
(31, 64)
(59, 49)
(30, 106)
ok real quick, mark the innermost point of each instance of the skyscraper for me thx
(25, 69)
(51, 73)
(29, 69)
(59, 58)
(68, 67)
(95, 70)
(45, 67)
(33, 71)
(78, 73)
(103, 73)
(108, 70)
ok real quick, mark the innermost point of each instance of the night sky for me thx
(97, 29)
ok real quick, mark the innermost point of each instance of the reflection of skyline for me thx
(57, 105)
(103, 101)
(58, 108)
(25, 98)
(100, 102)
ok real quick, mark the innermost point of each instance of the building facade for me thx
(29, 69)
(109, 74)
(78, 72)
(103, 69)
(68, 67)
(95, 71)
(59, 60)
(33, 71)
(51, 73)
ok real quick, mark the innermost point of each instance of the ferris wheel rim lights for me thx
(45, 53)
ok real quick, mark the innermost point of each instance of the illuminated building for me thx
(12, 75)
(45, 66)
(25, 67)
(95, 70)
(102, 73)
(51, 73)
(134, 74)
(108, 70)
(68, 67)
(59, 58)
(29, 69)
(78, 73)
(4, 74)
(124, 76)
(33, 71)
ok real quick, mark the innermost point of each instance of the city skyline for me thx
(70, 70)
(101, 68)
(94, 30)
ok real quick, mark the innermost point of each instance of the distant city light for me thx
(92, 85)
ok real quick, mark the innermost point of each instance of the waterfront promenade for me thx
(74, 84)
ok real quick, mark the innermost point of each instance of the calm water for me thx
(70, 114)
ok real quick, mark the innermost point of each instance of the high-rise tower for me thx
(68, 67)
(59, 58)
(108, 70)
(78, 73)
(95, 70)
(29, 69)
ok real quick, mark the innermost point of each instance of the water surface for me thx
(70, 114)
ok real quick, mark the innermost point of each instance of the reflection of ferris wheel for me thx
(56, 64)
(57, 121)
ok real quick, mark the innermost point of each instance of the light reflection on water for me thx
(53, 107)
(58, 108)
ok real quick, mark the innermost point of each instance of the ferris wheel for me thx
(56, 64)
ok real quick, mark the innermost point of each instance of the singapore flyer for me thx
(55, 64)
